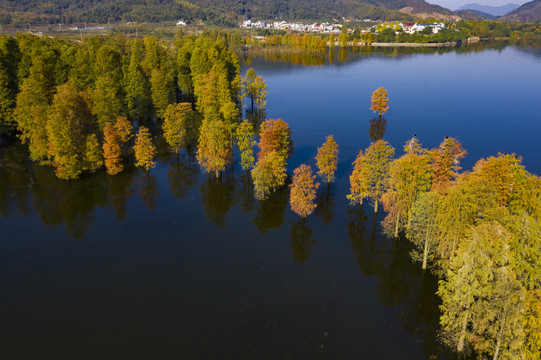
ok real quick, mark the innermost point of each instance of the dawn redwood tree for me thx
(245, 141)
(275, 136)
(268, 174)
(112, 153)
(359, 181)
(445, 162)
(423, 229)
(145, 151)
(302, 194)
(380, 101)
(327, 159)
(377, 159)
(69, 123)
(175, 125)
(409, 176)
(215, 147)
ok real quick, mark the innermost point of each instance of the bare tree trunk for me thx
(396, 226)
(460, 346)
(376, 207)
(425, 252)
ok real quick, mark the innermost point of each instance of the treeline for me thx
(479, 231)
(226, 12)
(498, 29)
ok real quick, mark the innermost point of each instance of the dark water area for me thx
(177, 264)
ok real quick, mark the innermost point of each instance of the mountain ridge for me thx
(492, 10)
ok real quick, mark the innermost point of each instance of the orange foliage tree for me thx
(303, 191)
(327, 159)
(380, 101)
(111, 150)
(275, 136)
(445, 163)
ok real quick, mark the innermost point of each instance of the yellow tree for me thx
(409, 176)
(327, 159)
(377, 160)
(380, 101)
(358, 181)
(303, 191)
(175, 125)
(145, 151)
(445, 162)
(245, 141)
(215, 150)
(269, 174)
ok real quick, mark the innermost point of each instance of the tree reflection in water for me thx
(301, 240)
(217, 197)
(182, 176)
(377, 128)
(120, 189)
(149, 190)
(270, 212)
(325, 204)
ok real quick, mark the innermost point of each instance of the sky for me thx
(455, 4)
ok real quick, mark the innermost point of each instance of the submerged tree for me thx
(380, 101)
(302, 195)
(377, 161)
(269, 174)
(409, 176)
(215, 150)
(275, 136)
(112, 152)
(446, 163)
(175, 125)
(245, 141)
(358, 181)
(145, 151)
(327, 159)
(423, 229)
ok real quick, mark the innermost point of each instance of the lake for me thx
(177, 264)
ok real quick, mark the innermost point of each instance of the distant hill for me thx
(492, 10)
(530, 11)
(473, 15)
(221, 12)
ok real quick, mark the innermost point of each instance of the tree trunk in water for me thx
(396, 226)
(425, 252)
(460, 346)
(376, 207)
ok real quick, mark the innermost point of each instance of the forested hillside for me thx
(530, 11)
(226, 12)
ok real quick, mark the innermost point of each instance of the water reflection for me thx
(120, 190)
(377, 128)
(325, 204)
(182, 176)
(301, 240)
(245, 192)
(149, 190)
(57, 201)
(217, 197)
(270, 212)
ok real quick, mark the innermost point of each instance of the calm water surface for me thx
(181, 265)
